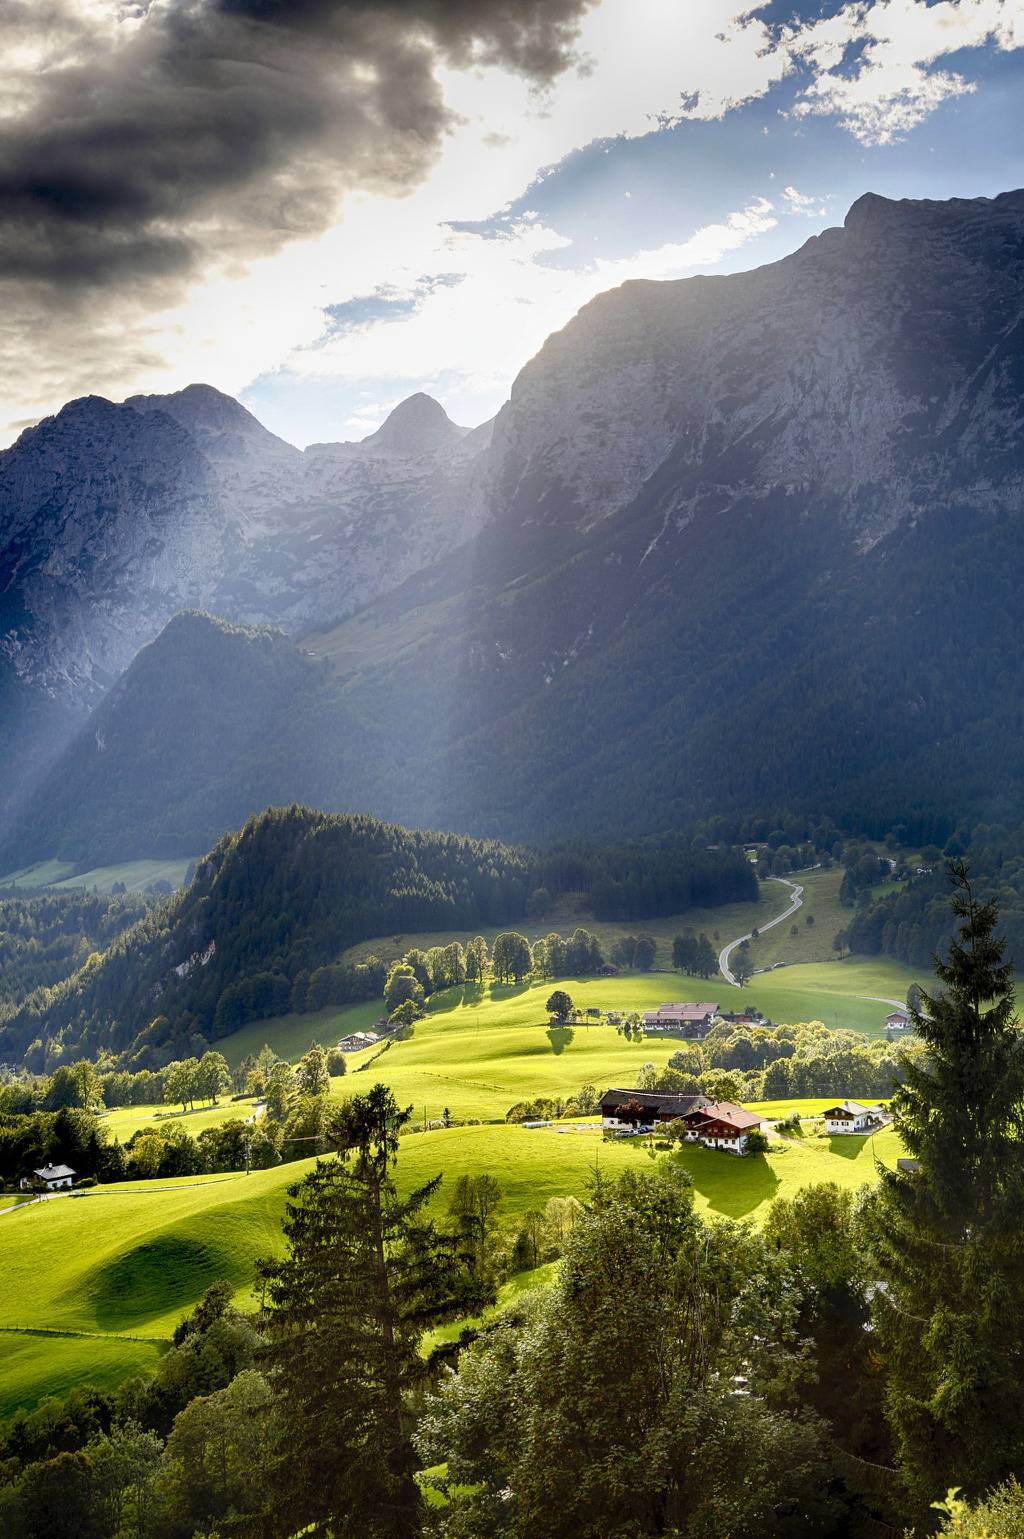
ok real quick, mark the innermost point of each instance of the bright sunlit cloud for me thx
(395, 292)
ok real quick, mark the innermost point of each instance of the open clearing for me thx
(123, 1121)
(133, 1258)
(63, 875)
(479, 1050)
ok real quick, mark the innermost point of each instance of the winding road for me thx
(727, 951)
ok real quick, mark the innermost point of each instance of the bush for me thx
(757, 1142)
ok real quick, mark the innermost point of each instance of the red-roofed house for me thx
(721, 1125)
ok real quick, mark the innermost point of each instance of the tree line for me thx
(261, 929)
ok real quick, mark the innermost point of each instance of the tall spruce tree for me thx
(949, 1235)
(365, 1275)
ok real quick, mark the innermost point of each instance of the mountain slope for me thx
(292, 890)
(114, 518)
(746, 543)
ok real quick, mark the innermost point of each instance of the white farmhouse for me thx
(850, 1117)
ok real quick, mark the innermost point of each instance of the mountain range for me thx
(735, 544)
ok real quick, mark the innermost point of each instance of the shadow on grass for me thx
(733, 1185)
(560, 1037)
(848, 1145)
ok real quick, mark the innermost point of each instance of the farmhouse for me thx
(898, 1020)
(718, 1124)
(692, 1020)
(357, 1039)
(649, 1107)
(721, 1125)
(51, 1178)
(850, 1117)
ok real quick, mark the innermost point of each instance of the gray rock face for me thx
(114, 518)
(880, 364)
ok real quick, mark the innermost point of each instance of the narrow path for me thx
(727, 951)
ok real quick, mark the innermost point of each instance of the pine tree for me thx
(948, 1234)
(366, 1274)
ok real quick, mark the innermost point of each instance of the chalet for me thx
(649, 1107)
(898, 1020)
(850, 1117)
(721, 1125)
(358, 1039)
(52, 1178)
(690, 1020)
(718, 1124)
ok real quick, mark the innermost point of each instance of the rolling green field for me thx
(128, 1260)
(123, 1121)
(62, 875)
(479, 1050)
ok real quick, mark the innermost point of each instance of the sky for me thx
(322, 206)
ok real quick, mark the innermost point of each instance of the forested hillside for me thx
(49, 936)
(291, 892)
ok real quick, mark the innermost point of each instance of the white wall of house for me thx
(846, 1124)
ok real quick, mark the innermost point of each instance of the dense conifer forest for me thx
(291, 891)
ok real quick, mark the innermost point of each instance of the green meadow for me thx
(63, 875)
(124, 1262)
(123, 1121)
(479, 1050)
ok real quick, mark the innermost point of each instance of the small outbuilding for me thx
(898, 1020)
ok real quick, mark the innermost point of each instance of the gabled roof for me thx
(54, 1172)
(655, 1100)
(851, 1108)
(686, 1012)
(726, 1111)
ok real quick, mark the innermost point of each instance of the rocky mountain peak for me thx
(220, 425)
(418, 425)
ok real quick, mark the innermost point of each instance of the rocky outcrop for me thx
(114, 518)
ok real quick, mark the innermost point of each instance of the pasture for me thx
(479, 1050)
(123, 1262)
(123, 1121)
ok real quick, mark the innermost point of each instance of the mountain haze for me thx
(734, 542)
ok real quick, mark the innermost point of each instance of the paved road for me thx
(727, 951)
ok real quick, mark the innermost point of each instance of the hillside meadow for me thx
(124, 1262)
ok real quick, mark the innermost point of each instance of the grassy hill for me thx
(125, 1262)
(493, 1043)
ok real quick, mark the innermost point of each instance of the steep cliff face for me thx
(113, 518)
(880, 365)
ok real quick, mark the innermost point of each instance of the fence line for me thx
(45, 1330)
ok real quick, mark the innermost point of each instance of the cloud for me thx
(143, 146)
(230, 189)
(873, 62)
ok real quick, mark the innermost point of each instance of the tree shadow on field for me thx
(508, 990)
(735, 1185)
(471, 994)
(560, 1037)
(848, 1145)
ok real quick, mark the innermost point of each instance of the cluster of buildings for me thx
(688, 1020)
(716, 1124)
(357, 1039)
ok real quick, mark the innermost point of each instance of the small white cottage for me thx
(850, 1117)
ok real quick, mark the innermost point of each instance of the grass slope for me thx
(38, 1365)
(129, 1260)
(123, 1121)
(135, 874)
(480, 1050)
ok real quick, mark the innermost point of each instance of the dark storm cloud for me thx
(165, 135)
